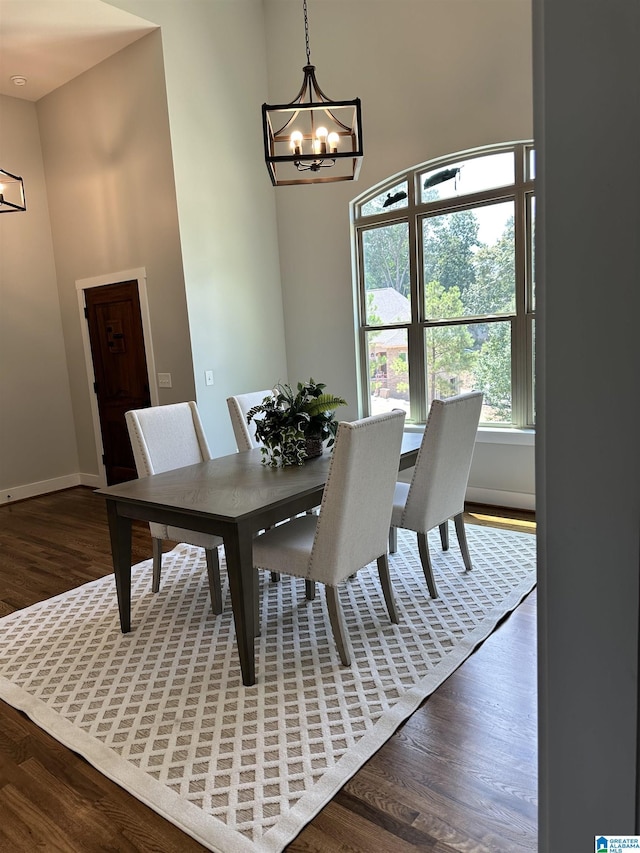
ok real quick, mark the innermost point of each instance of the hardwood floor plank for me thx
(459, 776)
(63, 806)
(25, 827)
(455, 799)
(345, 828)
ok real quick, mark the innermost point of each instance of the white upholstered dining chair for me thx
(164, 438)
(437, 489)
(350, 530)
(245, 433)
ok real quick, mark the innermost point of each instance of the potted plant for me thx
(294, 425)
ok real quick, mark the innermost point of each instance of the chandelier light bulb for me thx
(296, 142)
(321, 136)
(333, 140)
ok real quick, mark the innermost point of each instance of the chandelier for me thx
(312, 140)
(11, 193)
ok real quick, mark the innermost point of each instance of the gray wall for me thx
(166, 189)
(214, 56)
(107, 155)
(588, 255)
(37, 433)
(146, 168)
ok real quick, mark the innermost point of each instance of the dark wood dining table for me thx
(233, 497)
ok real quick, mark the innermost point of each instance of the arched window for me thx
(446, 296)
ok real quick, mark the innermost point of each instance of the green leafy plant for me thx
(287, 419)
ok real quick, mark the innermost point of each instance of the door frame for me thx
(140, 276)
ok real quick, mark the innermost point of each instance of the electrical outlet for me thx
(164, 380)
(208, 377)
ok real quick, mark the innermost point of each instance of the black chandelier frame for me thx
(289, 164)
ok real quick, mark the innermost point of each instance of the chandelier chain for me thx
(306, 31)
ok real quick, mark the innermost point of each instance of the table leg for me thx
(239, 555)
(120, 533)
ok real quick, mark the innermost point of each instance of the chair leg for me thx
(275, 576)
(256, 602)
(425, 559)
(337, 624)
(385, 582)
(461, 533)
(157, 563)
(444, 535)
(310, 590)
(393, 540)
(213, 570)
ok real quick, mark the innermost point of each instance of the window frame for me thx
(413, 212)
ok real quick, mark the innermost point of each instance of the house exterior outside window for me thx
(445, 289)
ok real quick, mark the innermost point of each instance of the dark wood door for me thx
(120, 369)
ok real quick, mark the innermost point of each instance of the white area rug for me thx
(163, 712)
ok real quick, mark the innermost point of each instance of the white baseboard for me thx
(495, 497)
(93, 480)
(490, 497)
(43, 487)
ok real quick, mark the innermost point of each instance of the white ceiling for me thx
(49, 42)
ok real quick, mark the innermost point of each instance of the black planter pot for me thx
(314, 447)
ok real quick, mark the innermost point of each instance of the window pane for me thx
(471, 357)
(531, 172)
(532, 249)
(386, 274)
(468, 176)
(533, 367)
(469, 262)
(388, 370)
(389, 200)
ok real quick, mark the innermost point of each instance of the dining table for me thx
(232, 496)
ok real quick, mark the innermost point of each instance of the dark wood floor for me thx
(459, 775)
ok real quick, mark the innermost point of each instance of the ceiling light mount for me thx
(312, 133)
(18, 80)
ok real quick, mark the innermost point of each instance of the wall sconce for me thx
(312, 133)
(11, 193)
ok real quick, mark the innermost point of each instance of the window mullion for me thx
(363, 350)
(417, 375)
(519, 325)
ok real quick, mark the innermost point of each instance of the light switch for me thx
(208, 377)
(164, 380)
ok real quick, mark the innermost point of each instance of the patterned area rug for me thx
(163, 712)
